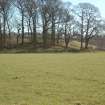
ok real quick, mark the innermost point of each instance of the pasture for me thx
(52, 79)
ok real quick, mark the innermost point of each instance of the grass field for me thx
(52, 79)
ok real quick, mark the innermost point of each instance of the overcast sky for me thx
(99, 3)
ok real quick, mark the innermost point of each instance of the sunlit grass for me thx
(52, 79)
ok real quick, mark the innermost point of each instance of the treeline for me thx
(48, 21)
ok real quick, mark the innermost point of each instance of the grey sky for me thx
(99, 3)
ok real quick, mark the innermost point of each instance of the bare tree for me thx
(20, 4)
(91, 19)
(79, 11)
(54, 7)
(67, 22)
(32, 9)
(4, 8)
(45, 16)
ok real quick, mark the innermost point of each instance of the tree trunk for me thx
(87, 33)
(58, 38)
(22, 28)
(17, 40)
(45, 34)
(30, 28)
(53, 32)
(44, 39)
(4, 29)
(1, 36)
(9, 34)
(18, 36)
(82, 18)
(67, 45)
(86, 43)
(34, 31)
(67, 38)
(81, 41)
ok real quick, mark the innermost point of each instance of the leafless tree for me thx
(20, 4)
(32, 9)
(4, 14)
(91, 20)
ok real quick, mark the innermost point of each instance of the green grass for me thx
(52, 79)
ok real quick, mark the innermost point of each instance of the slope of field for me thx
(52, 79)
(74, 46)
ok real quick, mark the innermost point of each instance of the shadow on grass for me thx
(42, 50)
(29, 48)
